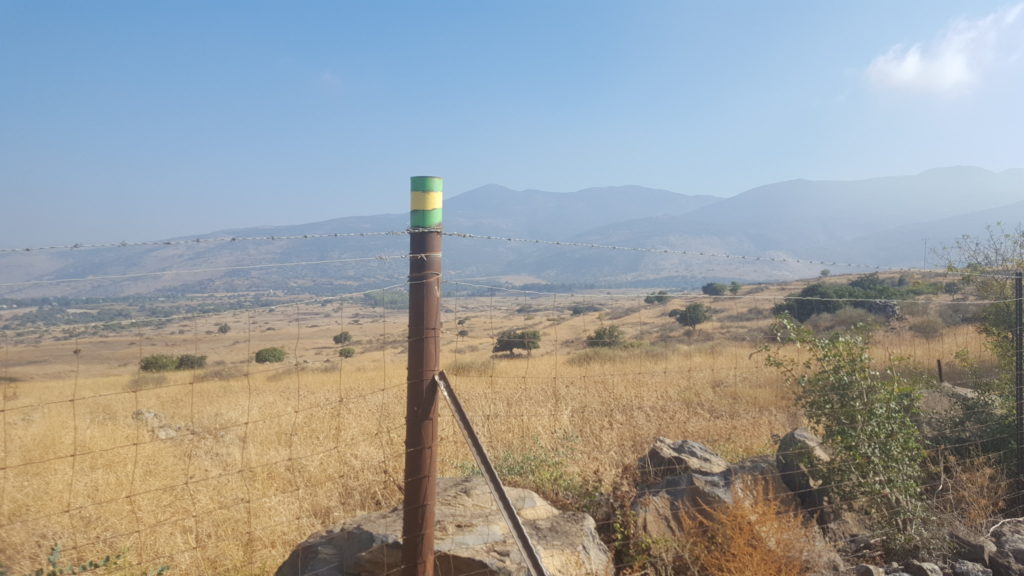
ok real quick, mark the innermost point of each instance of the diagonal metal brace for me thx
(515, 525)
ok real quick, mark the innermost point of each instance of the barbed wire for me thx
(199, 240)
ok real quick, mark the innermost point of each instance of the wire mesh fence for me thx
(164, 430)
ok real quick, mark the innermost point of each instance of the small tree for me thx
(606, 337)
(734, 288)
(659, 297)
(866, 416)
(714, 288)
(270, 355)
(223, 328)
(692, 315)
(191, 362)
(512, 340)
(158, 363)
(342, 337)
(347, 352)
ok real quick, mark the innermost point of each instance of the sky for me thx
(128, 121)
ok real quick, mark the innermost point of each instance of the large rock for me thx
(679, 478)
(1008, 559)
(798, 458)
(470, 538)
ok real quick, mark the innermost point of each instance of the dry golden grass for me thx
(264, 455)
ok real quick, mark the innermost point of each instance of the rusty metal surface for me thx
(421, 403)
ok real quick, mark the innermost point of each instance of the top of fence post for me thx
(427, 192)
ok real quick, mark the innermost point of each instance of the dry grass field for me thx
(223, 470)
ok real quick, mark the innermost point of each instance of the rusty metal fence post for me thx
(424, 363)
(1018, 342)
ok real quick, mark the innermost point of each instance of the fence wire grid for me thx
(224, 463)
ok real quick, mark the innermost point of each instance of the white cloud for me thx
(957, 59)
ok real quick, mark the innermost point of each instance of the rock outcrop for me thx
(470, 538)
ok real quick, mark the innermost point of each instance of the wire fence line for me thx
(224, 468)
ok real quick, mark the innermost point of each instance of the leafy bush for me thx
(865, 416)
(347, 352)
(659, 297)
(270, 355)
(714, 288)
(158, 363)
(606, 337)
(223, 328)
(692, 315)
(191, 362)
(342, 337)
(580, 309)
(512, 340)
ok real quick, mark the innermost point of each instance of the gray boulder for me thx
(868, 570)
(967, 568)
(1008, 559)
(470, 538)
(798, 457)
(915, 568)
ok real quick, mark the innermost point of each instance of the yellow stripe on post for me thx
(426, 200)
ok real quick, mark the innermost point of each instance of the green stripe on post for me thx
(425, 191)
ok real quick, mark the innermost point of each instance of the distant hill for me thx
(779, 231)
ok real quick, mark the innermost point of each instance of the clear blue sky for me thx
(142, 120)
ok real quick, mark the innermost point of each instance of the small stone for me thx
(868, 570)
(967, 568)
(915, 568)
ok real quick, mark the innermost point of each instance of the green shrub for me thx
(606, 337)
(511, 340)
(342, 337)
(224, 328)
(659, 297)
(347, 352)
(158, 363)
(270, 355)
(714, 288)
(191, 362)
(692, 315)
(866, 418)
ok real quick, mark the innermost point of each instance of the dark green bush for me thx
(347, 352)
(191, 362)
(342, 337)
(158, 363)
(270, 355)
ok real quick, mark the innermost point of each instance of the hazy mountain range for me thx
(779, 231)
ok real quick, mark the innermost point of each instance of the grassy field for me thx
(223, 470)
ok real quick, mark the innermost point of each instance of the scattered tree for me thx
(714, 288)
(270, 355)
(512, 340)
(610, 336)
(692, 315)
(191, 362)
(342, 337)
(347, 352)
(224, 328)
(734, 288)
(158, 363)
(659, 297)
